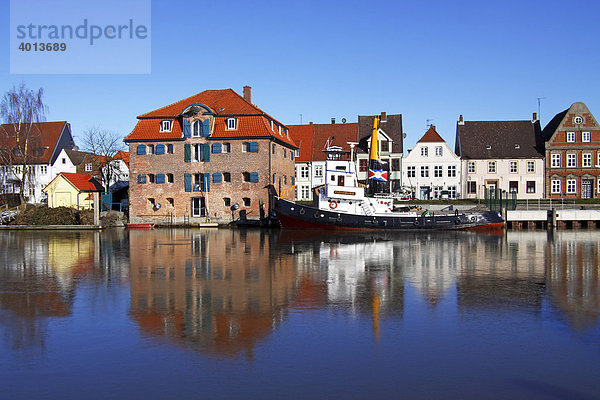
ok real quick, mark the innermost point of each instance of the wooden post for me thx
(96, 208)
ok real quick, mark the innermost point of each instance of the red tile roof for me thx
(82, 182)
(221, 102)
(122, 155)
(313, 138)
(45, 136)
(431, 136)
(252, 121)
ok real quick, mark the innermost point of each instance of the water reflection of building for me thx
(502, 273)
(39, 273)
(219, 291)
(572, 276)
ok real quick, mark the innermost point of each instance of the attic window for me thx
(578, 120)
(488, 147)
(517, 146)
(231, 123)
(166, 126)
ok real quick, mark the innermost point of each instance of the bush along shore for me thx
(43, 215)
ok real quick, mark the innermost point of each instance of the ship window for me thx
(340, 167)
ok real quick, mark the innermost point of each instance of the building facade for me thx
(207, 157)
(505, 155)
(44, 160)
(572, 150)
(432, 170)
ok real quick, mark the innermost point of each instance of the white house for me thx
(432, 170)
(505, 155)
(46, 158)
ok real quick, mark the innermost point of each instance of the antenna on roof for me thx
(300, 118)
(429, 120)
(539, 99)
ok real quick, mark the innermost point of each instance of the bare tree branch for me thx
(103, 145)
(20, 109)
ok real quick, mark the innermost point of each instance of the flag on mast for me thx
(377, 181)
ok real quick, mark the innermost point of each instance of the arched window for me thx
(197, 130)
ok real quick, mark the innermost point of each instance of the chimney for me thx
(247, 94)
(534, 117)
(460, 120)
(310, 123)
(433, 127)
(383, 117)
(333, 120)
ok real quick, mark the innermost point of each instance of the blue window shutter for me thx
(273, 148)
(160, 178)
(284, 153)
(187, 181)
(169, 148)
(206, 178)
(253, 147)
(216, 147)
(141, 149)
(293, 180)
(187, 152)
(187, 131)
(142, 178)
(160, 149)
(205, 128)
(206, 152)
(285, 179)
(253, 176)
(216, 177)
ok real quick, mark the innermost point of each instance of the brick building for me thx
(572, 142)
(196, 158)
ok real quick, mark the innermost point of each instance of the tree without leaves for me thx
(103, 146)
(20, 110)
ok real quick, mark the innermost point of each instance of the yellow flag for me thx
(374, 150)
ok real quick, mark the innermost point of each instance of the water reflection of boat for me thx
(342, 204)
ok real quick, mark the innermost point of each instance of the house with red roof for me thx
(72, 190)
(431, 169)
(314, 139)
(38, 162)
(204, 156)
(571, 147)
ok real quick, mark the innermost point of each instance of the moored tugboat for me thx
(341, 204)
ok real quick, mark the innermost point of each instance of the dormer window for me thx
(488, 147)
(517, 146)
(231, 123)
(197, 129)
(166, 126)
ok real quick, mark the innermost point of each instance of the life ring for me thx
(416, 222)
(457, 221)
(302, 212)
(333, 205)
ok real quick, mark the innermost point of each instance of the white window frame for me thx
(451, 171)
(530, 167)
(571, 160)
(555, 160)
(527, 188)
(318, 171)
(586, 160)
(555, 186)
(424, 171)
(303, 171)
(471, 167)
(231, 124)
(491, 167)
(43, 169)
(424, 151)
(439, 151)
(570, 137)
(571, 186)
(411, 171)
(438, 171)
(197, 132)
(514, 167)
(166, 125)
(88, 167)
(586, 137)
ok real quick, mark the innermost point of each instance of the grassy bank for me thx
(43, 215)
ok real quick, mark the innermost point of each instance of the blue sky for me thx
(425, 60)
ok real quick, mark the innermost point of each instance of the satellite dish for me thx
(404, 135)
(343, 120)
(235, 207)
(157, 206)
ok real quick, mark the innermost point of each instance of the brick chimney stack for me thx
(247, 94)
(534, 117)
(333, 120)
(460, 120)
(383, 117)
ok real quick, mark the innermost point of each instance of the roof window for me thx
(166, 126)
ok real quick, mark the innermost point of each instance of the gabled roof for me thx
(391, 125)
(45, 138)
(314, 138)
(82, 182)
(252, 122)
(221, 102)
(561, 121)
(498, 139)
(122, 155)
(77, 157)
(431, 136)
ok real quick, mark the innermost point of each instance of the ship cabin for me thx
(342, 192)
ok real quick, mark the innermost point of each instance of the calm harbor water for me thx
(256, 314)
